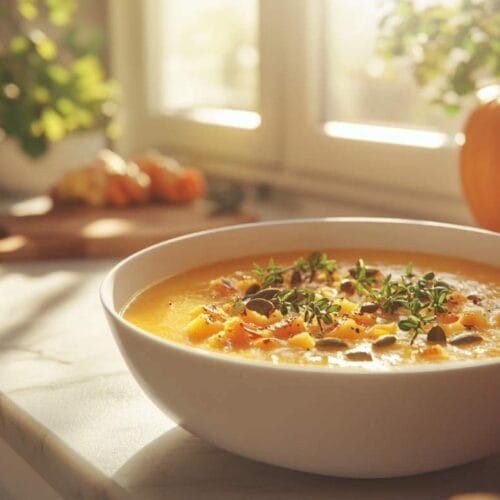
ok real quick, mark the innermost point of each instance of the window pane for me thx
(210, 56)
(356, 88)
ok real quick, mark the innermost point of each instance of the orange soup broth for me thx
(166, 308)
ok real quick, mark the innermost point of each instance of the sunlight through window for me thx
(387, 135)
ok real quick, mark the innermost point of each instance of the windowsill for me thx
(299, 194)
(279, 204)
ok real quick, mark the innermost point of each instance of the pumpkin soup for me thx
(334, 308)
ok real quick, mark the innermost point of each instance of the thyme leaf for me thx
(364, 276)
(313, 307)
(422, 299)
(273, 274)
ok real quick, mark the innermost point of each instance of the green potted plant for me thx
(453, 49)
(55, 101)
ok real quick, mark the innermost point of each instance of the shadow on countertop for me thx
(179, 465)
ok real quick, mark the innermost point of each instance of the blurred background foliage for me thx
(52, 81)
(452, 47)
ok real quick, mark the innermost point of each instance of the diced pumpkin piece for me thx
(256, 318)
(347, 307)
(325, 329)
(433, 352)
(288, 327)
(452, 328)
(217, 341)
(212, 311)
(228, 307)
(236, 333)
(196, 311)
(364, 319)
(268, 343)
(382, 329)
(202, 327)
(475, 319)
(303, 340)
(349, 329)
(447, 318)
(456, 298)
(388, 327)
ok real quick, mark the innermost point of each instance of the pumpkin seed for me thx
(253, 331)
(261, 306)
(385, 340)
(228, 283)
(359, 356)
(474, 298)
(436, 335)
(369, 307)
(332, 342)
(266, 293)
(466, 338)
(296, 278)
(347, 286)
(252, 289)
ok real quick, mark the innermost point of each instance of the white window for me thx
(257, 87)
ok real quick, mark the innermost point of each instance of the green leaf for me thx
(301, 264)
(53, 125)
(18, 44)
(34, 146)
(405, 325)
(27, 9)
(46, 48)
(452, 109)
(36, 128)
(61, 11)
(58, 73)
(65, 106)
(41, 94)
(408, 271)
(438, 29)
(238, 307)
(95, 44)
(428, 318)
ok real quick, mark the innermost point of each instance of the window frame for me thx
(413, 181)
(402, 167)
(133, 27)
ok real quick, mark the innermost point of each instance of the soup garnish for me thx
(313, 310)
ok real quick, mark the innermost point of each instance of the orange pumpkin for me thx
(480, 164)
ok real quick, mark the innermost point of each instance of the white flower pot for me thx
(22, 174)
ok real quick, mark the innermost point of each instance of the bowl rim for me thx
(356, 369)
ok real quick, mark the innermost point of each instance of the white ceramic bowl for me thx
(342, 421)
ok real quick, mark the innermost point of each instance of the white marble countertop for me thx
(71, 409)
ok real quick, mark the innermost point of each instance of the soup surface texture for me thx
(331, 308)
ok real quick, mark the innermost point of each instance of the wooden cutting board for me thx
(70, 232)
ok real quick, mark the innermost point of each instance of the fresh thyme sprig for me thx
(422, 299)
(318, 261)
(302, 300)
(273, 274)
(364, 276)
